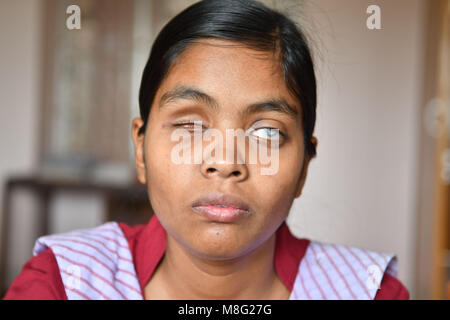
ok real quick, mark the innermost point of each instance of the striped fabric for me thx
(335, 272)
(97, 264)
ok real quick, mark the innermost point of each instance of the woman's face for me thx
(223, 81)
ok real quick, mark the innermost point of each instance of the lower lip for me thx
(220, 214)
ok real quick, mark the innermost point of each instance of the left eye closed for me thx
(190, 125)
(267, 133)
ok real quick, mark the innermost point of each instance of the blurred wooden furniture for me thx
(124, 203)
(448, 290)
(433, 225)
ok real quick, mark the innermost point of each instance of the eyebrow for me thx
(278, 105)
(190, 93)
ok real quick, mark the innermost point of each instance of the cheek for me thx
(158, 166)
(290, 161)
(162, 175)
(158, 150)
(278, 191)
(275, 194)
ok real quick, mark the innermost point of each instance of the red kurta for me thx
(40, 277)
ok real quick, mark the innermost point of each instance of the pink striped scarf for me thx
(97, 264)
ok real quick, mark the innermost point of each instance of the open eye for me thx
(267, 133)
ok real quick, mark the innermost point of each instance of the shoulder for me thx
(333, 271)
(39, 279)
(82, 264)
(106, 239)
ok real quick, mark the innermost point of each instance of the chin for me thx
(225, 245)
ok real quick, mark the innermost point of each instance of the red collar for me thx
(148, 247)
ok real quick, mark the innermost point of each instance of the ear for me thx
(304, 172)
(138, 140)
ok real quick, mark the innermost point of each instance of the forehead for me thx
(229, 70)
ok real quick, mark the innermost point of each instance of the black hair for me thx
(245, 21)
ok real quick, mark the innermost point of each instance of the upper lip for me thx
(221, 199)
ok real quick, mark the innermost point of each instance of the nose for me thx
(224, 165)
(225, 170)
(226, 159)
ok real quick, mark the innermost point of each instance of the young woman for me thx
(219, 228)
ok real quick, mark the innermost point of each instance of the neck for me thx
(252, 276)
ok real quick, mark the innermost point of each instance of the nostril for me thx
(235, 173)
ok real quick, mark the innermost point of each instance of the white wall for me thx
(20, 89)
(361, 187)
(19, 100)
(19, 84)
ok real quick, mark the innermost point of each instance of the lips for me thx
(221, 207)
